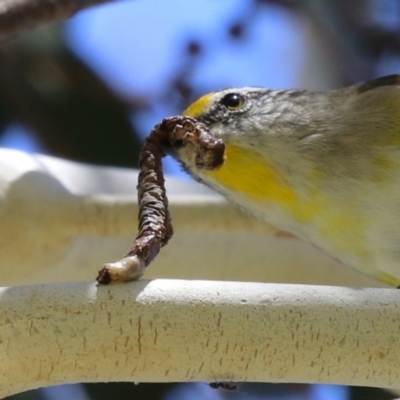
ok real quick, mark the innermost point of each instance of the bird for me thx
(323, 166)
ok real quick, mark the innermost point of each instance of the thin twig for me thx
(155, 227)
(19, 15)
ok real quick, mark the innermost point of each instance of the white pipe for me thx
(171, 330)
(62, 220)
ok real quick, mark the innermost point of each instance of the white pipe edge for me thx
(62, 220)
(177, 330)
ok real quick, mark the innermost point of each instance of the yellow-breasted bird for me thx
(323, 166)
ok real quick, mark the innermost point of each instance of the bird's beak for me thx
(199, 107)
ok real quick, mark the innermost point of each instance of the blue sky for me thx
(137, 46)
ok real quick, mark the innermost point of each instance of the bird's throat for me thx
(250, 174)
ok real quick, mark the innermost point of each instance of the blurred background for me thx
(91, 88)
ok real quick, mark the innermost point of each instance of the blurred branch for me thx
(72, 112)
(19, 15)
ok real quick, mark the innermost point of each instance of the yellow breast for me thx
(248, 173)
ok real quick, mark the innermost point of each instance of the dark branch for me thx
(19, 15)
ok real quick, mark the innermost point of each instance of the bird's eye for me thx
(233, 101)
